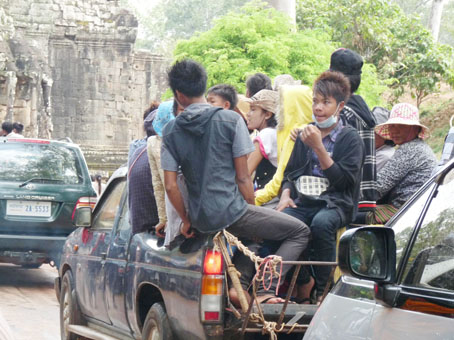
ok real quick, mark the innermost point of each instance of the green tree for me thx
(260, 39)
(399, 46)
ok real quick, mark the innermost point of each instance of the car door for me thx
(115, 268)
(424, 308)
(90, 271)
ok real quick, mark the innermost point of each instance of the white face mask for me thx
(327, 123)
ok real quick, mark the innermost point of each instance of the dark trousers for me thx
(323, 223)
(267, 224)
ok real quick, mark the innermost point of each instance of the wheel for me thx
(156, 326)
(31, 265)
(69, 308)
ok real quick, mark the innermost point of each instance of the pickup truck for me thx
(115, 285)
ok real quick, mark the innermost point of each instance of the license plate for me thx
(28, 208)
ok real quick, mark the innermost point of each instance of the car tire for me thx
(156, 326)
(69, 308)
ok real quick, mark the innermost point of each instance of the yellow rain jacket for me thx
(295, 111)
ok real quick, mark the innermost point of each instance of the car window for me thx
(124, 227)
(404, 225)
(24, 161)
(105, 214)
(431, 261)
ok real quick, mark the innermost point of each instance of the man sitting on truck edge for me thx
(211, 145)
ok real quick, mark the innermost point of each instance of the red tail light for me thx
(213, 263)
(84, 202)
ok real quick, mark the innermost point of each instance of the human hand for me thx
(294, 134)
(160, 230)
(311, 136)
(186, 229)
(285, 202)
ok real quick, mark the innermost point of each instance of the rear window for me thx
(22, 162)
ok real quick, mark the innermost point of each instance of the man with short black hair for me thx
(211, 146)
(256, 83)
(356, 113)
(7, 128)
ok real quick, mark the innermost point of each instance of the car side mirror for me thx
(82, 217)
(368, 253)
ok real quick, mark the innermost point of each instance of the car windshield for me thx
(22, 162)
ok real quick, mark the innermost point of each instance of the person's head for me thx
(163, 116)
(403, 125)
(257, 82)
(176, 108)
(222, 95)
(264, 106)
(18, 127)
(284, 79)
(348, 63)
(7, 128)
(381, 115)
(188, 80)
(148, 123)
(153, 106)
(330, 93)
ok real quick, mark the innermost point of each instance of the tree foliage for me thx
(260, 39)
(398, 45)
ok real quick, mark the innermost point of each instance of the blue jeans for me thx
(323, 223)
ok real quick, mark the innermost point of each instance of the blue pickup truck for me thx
(115, 285)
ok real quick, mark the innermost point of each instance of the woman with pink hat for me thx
(410, 166)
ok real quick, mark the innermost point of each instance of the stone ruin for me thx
(68, 68)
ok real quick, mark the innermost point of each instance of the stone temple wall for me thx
(70, 70)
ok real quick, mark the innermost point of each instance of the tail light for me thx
(84, 202)
(211, 301)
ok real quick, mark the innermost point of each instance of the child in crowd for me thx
(261, 117)
(222, 95)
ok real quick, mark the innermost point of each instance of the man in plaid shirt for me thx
(356, 113)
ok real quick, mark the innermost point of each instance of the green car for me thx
(42, 183)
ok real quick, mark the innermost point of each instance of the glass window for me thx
(406, 222)
(24, 161)
(105, 216)
(431, 261)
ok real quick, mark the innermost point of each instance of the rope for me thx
(264, 266)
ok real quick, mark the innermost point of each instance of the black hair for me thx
(7, 126)
(153, 106)
(187, 77)
(271, 122)
(175, 107)
(257, 82)
(19, 127)
(355, 81)
(333, 84)
(226, 92)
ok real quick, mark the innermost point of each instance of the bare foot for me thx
(269, 299)
(304, 291)
(233, 295)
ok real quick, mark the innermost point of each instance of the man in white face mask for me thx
(322, 177)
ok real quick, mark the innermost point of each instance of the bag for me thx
(311, 186)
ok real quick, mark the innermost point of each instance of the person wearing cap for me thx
(141, 197)
(356, 113)
(168, 219)
(384, 148)
(261, 117)
(409, 168)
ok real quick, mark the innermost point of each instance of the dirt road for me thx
(28, 302)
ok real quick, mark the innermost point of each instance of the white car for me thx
(398, 280)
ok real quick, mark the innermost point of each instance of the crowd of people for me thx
(283, 167)
(12, 130)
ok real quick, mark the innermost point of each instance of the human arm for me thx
(175, 197)
(254, 158)
(243, 179)
(311, 136)
(157, 178)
